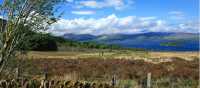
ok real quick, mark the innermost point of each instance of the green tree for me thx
(36, 15)
(42, 42)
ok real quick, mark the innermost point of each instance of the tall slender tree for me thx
(34, 15)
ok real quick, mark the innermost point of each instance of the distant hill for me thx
(158, 41)
(83, 37)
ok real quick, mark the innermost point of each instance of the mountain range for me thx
(156, 41)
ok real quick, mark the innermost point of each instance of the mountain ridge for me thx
(159, 41)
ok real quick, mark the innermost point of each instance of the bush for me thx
(42, 42)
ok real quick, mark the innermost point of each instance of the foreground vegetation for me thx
(92, 67)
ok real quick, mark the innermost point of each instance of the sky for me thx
(99, 17)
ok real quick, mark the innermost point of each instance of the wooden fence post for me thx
(17, 73)
(46, 72)
(149, 80)
(114, 81)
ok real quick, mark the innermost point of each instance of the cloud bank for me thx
(116, 25)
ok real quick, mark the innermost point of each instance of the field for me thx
(131, 55)
(179, 69)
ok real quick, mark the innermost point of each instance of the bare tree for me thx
(34, 15)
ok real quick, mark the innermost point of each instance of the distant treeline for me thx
(47, 42)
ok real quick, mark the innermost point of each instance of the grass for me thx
(71, 55)
(92, 68)
(154, 57)
(130, 67)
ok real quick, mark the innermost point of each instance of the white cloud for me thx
(83, 12)
(1, 17)
(113, 24)
(177, 15)
(70, 0)
(92, 4)
(116, 4)
(190, 26)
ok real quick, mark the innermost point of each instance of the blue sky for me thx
(127, 17)
(158, 8)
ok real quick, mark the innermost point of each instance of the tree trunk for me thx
(2, 62)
